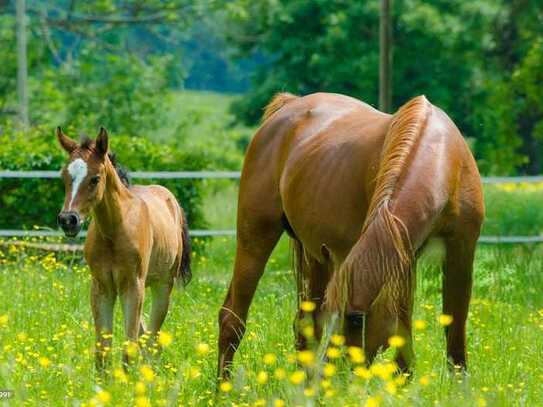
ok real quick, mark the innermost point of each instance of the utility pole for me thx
(385, 57)
(22, 68)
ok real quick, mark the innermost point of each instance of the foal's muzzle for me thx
(70, 222)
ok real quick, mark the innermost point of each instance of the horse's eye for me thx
(95, 180)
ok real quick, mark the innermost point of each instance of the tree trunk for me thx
(22, 69)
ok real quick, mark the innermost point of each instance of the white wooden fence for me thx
(236, 175)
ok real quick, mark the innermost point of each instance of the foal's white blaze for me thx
(78, 171)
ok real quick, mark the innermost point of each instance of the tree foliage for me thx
(478, 60)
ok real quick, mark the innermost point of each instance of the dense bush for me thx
(25, 203)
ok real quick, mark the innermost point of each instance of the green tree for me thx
(475, 59)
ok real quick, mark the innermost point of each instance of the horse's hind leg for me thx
(312, 282)
(457, 281)
(256, 240)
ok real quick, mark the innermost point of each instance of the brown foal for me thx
(360, 192)
(137, 237)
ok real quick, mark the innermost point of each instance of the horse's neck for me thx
(109, 212)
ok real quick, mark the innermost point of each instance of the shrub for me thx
(25, 203)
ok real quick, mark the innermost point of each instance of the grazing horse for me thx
(360, 192)
(138, 237)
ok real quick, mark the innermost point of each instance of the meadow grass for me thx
(46, 337)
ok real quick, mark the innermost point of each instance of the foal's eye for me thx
(95, 180)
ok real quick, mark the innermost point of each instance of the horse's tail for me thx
(381, 260)
(277, 102)
(184, 270)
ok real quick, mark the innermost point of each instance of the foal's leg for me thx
(254, 246)
(457, 281)
(132, 303)
(102, 303)
(161, 301)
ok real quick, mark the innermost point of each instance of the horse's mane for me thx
(123, 174)
(383, 254)
(121, 171)
(277, 102)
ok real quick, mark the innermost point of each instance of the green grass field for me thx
(46, 340)
(46, 337)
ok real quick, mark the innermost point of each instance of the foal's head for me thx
(84, 177)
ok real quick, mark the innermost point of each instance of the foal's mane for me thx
(383, 255)
(122, 173)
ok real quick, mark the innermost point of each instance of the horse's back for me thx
(317, 155)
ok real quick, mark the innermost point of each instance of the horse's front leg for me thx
(102, 302)
(132, 296)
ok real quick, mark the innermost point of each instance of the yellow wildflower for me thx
(165, 339)
(297, 377)
(337, 340)
(445, 319)
(262, 377)
(202, 348)
(142, 402)
(308, 306)
(139, 387)
(120, 375)
(278, 403)
(356, 354)
(4, 320)
(420, 324)
(329, 370)
(333, 353)
(225, 387)
(396, 341)
(362, 372)
(104, 396)
(391, 388)
(309, 392)
(44, 362)
(131, 348)
(269, 359)
(306, 357)
(372, 402)
(147, 373)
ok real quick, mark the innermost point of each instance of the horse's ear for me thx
(66, 142)
(102, 142)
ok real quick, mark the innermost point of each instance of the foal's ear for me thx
(102, 142)
(66, 142)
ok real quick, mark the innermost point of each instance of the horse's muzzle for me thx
(70, 222)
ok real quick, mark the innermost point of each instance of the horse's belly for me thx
(326, 216)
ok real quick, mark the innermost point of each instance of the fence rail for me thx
(236, 175)
(226, 175)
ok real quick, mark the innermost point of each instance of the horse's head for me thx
(84, 177)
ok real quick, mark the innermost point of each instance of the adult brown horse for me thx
(138, 237)
(360, 192)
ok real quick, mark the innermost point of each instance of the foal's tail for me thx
(380, 263)
(184, 271)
